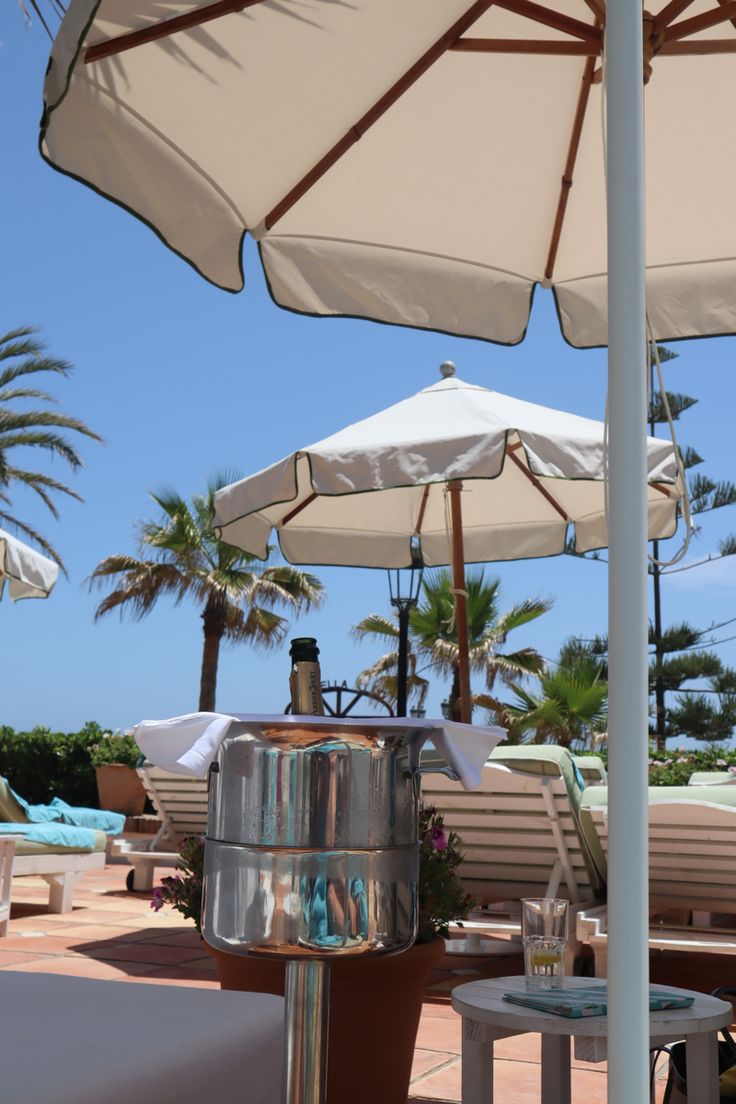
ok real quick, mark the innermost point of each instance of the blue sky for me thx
(183, 380)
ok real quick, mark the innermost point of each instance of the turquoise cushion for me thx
(15, 808)
(55, 835)
(101, 819)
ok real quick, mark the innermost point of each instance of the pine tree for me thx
(678, 655)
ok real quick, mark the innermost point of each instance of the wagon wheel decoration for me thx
(339, 700)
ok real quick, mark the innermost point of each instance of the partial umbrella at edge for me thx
(27, 572)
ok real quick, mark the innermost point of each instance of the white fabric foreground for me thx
(188, 744)
(69, 1040)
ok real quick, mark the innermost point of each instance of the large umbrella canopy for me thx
(425, 163)
(27, 572)
(532, 477)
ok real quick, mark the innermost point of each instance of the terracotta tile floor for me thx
(114, 934)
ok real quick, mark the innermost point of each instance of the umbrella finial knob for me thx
(447, 369)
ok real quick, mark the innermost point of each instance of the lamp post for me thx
(404, 586)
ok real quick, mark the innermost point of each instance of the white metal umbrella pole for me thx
(461, 607)
(628, 725)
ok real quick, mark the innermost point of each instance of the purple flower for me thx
(437, 839)
(682, 760)
(157, 901)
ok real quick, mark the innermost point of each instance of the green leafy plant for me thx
(115, 748)
(184, 891)
(41, 764)
(674, 767)
(442, 896)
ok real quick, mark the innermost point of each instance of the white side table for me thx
(487, 1017)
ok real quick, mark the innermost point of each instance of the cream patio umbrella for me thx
(428, 163)
(424, 163)
(457, 472)
(28, 574)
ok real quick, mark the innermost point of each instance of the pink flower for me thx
(157, 901)
(438, 839)
(720, 762)
(682, 760)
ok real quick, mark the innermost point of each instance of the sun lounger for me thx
(181, 802)
(593, 769)
(712, 778)
(521, 834)
(692, 869)
(58, 842)
(15, 809)
(7, 855)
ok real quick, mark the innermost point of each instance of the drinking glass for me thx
(544, 935)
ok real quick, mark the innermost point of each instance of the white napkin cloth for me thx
(188, 744)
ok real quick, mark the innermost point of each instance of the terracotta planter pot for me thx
(375, 1005)
(120, 789)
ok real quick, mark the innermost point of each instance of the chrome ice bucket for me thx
(311, 847)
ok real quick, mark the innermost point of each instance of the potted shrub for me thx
(118, 786)
(375, 1002)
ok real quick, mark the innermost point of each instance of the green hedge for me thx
(674, 767)
(42, 764)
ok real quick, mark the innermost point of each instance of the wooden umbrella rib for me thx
(588, 32)
(598, 10)
(526, 46)
(567, 176)
(700, 46)
(397, 89)
(166, 27)
(297, 509)
(537, 484)
(722, 3)
(669, 13)
(702, 22)
(422, 508)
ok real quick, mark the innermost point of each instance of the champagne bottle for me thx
(305, 680)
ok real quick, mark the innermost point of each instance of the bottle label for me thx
(305, 683)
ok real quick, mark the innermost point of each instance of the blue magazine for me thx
(590, 1001)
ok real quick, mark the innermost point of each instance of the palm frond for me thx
(375, 625)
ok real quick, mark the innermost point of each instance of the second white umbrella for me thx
(455, 474)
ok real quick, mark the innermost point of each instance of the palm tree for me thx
(568, 708)
(236, 590)
(434, 635)
(22, 355)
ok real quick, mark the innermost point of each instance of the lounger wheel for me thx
(130, 880)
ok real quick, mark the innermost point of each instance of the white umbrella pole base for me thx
(305, 1032)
